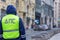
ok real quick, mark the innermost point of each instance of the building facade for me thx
(30, 12)
(38, 11)
(57, 12)
(45, 12)
(25, 9)
(3, 5)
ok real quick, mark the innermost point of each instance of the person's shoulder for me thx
(20, 18)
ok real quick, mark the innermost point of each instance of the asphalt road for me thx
(30, 33)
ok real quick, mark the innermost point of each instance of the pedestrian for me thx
(54, 26)
(12, 25)
(32, 25)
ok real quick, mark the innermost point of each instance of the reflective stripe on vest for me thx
(10, 25)
(10, 30)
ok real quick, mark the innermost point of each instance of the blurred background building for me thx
(44, 12)
(30, 16)
(3, 5)
(25, 9)
(57, 12)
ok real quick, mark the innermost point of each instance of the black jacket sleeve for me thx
(22, 29)
(1, 31)
(1, 27)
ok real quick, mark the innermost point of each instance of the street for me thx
(30, 33)
(56, 37)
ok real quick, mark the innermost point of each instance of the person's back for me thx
(12, 26)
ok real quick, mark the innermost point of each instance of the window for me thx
(55, 3)
(52, 13)
(53, 0)
(38, 2)
(3, 0)
(17, 3)
(24, 15)
(33, 9)
(45, 19)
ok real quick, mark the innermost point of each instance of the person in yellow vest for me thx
(12, 25)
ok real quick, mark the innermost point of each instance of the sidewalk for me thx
(56, 37)
(30, 33)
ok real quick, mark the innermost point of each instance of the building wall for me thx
(22, 10)
(31, 11)
(25, 9)
(3, 5)
(49, 2)
(45, 8)
(57, 12)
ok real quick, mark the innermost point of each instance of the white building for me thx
(57, 12)
(44, 11)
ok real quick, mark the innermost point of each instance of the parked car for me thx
(41, 27)
(45, 27)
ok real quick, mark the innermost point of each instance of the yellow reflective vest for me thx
(10, 25)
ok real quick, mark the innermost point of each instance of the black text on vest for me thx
(9, 21)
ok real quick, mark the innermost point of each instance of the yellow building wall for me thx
(31, 12)
(21, 9)
(8, 2)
